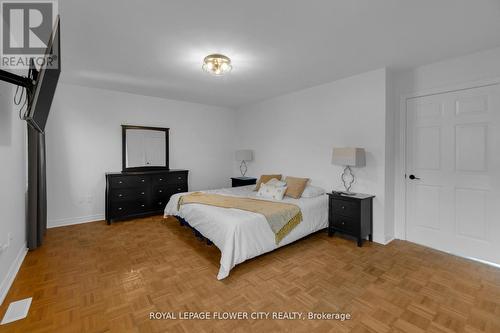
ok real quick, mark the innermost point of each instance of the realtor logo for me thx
(26, 30)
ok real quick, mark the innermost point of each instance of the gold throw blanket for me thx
(282, 217)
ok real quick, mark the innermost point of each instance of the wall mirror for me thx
(144, 148)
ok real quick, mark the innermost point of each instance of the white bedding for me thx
(241, 235)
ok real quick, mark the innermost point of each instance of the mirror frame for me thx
(124, 149)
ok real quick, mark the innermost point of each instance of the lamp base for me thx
(243, 168)
(347, 178)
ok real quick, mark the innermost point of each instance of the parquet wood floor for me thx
(98, 278)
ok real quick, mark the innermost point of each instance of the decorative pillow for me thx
(271, 192)
(276, 182)
(264, 179)
(312, 191)
(295, 186)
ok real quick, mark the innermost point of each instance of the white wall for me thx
(83, 139)
(84, 142)
(294, 135)
(12, 188)
(446, 74)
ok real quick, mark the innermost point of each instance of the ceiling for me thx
(156, 47)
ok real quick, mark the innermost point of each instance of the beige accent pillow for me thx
(295, 186)
(264, 179)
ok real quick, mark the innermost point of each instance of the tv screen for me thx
(46, 83)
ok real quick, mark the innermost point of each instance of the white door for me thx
(453, 156)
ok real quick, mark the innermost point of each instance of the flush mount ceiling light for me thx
(217, 64)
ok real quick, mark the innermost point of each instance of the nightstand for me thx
(351, 215)
(242, 181)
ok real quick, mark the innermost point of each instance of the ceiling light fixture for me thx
(217, 64)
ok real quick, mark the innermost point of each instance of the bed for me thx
(241, 235)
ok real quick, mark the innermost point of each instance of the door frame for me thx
(400, 198)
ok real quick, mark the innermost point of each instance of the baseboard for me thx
(11, 274)
(388, 240)
(74, 220)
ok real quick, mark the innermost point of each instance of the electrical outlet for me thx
(6, 245)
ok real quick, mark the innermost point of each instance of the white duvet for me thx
(241, 235)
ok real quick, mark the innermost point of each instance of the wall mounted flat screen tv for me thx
(46, 82)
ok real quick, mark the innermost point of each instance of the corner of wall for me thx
(390, 148)
(7, 281)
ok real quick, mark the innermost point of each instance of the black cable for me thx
(15, 95)
(24, 105)
(26, 94)
(17, 101)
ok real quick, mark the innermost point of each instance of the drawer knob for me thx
(120, 182)
(142, 193)
(142, 180)
(179, 177)
(120, 195)
(161, 179)
(160, 191)
(119, 208)
(343, 207)
(142, 205)
(343, 223)
(159, 203)
(179, 189)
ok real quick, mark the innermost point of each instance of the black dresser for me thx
(352, 215)
(138, 194)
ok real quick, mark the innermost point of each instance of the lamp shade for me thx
(244, 155)
(354, 157)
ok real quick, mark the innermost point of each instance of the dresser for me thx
(242, 181)
(141, 193)
(351, 215)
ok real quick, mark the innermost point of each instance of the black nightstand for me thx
(242, 181)
(351, 215)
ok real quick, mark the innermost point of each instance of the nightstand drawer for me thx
(346, 208)
(346, 224)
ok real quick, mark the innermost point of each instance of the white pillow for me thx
(276, 182)
(271, 192)
(312, 191)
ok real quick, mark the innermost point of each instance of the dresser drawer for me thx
(165, 192)
(161, 179)
(159, 203)
(129, 194)
(161, 192)
(125, 208)
(177, 178)
(129, 181)
(347, 224)
(178, 188)
(346, 208)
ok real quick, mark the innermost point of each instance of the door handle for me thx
(412, 177)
